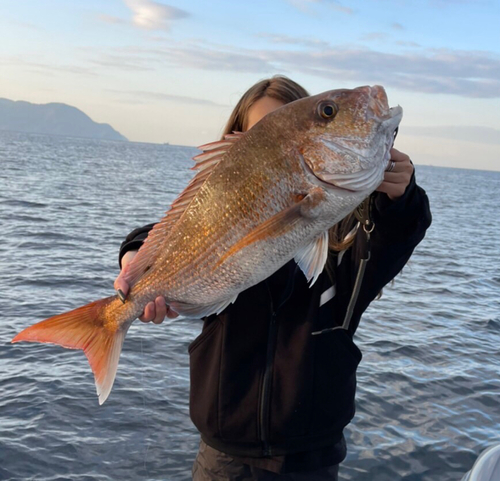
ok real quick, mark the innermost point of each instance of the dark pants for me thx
(213, 465)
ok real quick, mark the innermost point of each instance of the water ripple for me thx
(428, 384)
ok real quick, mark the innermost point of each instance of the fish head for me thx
(349, 134)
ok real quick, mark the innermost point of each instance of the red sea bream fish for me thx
(258, 200)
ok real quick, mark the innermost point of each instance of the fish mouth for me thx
(391, 119)
(391, 125)
(379, 107)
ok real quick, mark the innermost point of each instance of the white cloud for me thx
(143, 96)
(304, 5)
(151, 15)
(110, 19)
(472, 74)
(397, 26)
(403, 43)
(374, 36)
(39, 66)
(308, 42)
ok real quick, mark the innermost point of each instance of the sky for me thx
(171, 71)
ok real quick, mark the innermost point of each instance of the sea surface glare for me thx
(428, 386)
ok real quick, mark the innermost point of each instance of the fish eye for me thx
(328, 110)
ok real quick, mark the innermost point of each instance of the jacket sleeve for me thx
(133, 241)
(400, 225)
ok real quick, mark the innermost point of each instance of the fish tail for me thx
(86, 328)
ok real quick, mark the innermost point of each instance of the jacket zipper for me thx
(266, 385)
(267, 378)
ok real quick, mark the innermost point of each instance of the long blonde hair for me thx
(285, 90)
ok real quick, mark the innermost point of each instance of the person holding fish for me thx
(285, 394)
(268, 245)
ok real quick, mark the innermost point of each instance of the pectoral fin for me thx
(280, 223)
(277, 225)
(312, 258)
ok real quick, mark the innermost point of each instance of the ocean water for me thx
(428, 387)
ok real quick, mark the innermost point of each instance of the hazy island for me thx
(54, 119)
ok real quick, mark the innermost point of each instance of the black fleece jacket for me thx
(263, 388)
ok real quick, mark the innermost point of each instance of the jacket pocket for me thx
(205, 359)
(334, 386)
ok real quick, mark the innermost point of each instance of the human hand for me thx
(398, 177)
(154, 311)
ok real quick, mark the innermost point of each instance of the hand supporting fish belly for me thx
(258, 200)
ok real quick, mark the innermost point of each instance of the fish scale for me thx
(241, 213)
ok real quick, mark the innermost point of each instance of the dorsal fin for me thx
(205, 163)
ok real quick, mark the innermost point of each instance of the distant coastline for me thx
(53, 119)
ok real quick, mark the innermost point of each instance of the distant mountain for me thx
(53, 118)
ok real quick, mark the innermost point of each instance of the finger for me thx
(400, 168)
(161, 310)
(397, 178)
(127, 258)
(149, 312)
(398, 156)
(121, 284)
